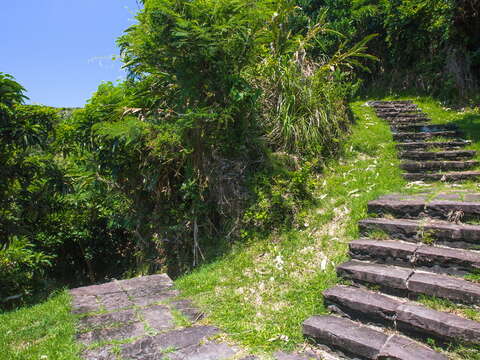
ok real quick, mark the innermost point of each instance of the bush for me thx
(21, 270)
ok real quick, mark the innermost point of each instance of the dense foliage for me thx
(430, 45)
(230, 109)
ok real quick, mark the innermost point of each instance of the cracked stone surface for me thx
(425, 245)
(137, 315)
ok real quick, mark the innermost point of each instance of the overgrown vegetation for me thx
(225, 116)
(431, 46)
(232, 145)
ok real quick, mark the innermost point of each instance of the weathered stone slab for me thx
(159, 281)
(402, 348)
(209, 351)
(82, 304)
(115, 301)
(107, 320)
(424, 135)
(411, 230)
(386, 276)
(187, 308)
(406, 316)
(144, 297)
(386, 251)
(106, 288)
(102, 353)
(445, 257)
(421, 166)
(118, 333)
(361, 303)
(423, 127)
(446, 177)
(158, 317)
(439, 324)
(446, 287)
(414, 208)
(173, 340)
(439, 155)
(280, 355)
(345, 335)
(433, 145)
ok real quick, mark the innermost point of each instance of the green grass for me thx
(41, 332)
(262, 291)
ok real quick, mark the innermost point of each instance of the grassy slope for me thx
(266, 315)
(262, 291)
(41, 332)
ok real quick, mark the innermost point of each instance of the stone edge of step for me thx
(402, 315)
(354, 338)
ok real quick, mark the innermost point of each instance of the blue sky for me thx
(61, 50)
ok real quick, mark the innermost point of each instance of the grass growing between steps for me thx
(457, 350)
(264, 289)
(41, 332)
(468, 121)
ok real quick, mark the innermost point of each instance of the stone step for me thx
(443, 232)
(404, 116)
(406, 316)
(390, 102)
(396, 111)
(425, 145)
(441, 206)
(437, 155)
(408, 121)
(423, 166)
(402, 136)
(409, 282)
(437, 259)
(356, 340)
(423, 127)
(401, 107)
(446, 177)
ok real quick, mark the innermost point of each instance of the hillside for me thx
(239, 159)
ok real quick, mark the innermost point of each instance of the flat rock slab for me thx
(392, 279)
(431, 256)
(447, 287)
(188, 310)
(114, 333)
(405, 315)
(383, 250)
(414, 230)
(440, 207)
(437, 323)
(208, 351)
(352, 338)
(422, 166)
(386, 276)
(446, 177)
(158, 317)
(402, 348)
(362, 303)
(439, 155)
(172, 341)
(139, 313)
(101, 321)
(437, 259)
(426, 145)
(345, 335)
(424, 135)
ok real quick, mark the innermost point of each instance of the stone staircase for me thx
(430, 152)
(413, 246)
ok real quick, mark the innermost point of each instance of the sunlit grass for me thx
(41, 332)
